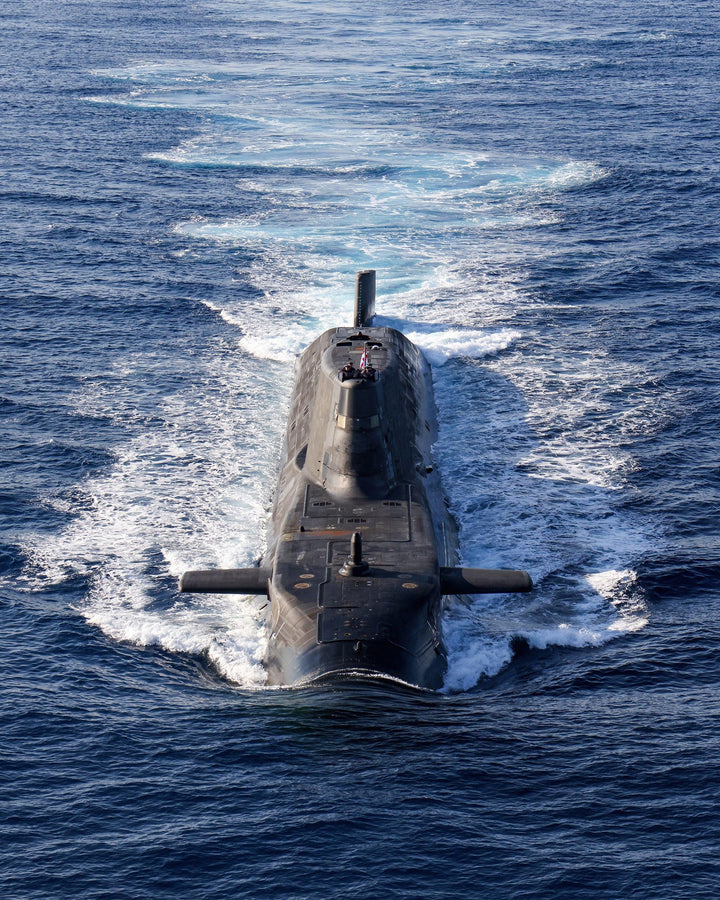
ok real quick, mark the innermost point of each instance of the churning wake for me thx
(530, 448)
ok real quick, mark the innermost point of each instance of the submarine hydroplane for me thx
(362, 549)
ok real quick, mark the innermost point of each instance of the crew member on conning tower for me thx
(347, 371)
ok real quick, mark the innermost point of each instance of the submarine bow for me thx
(361, 549)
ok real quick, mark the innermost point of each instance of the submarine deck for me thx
(358, 461)
(383, 619)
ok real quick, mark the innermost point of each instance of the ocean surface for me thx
(187, 190)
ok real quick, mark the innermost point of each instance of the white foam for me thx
(607, 583)
(440, 346)
(472, 654)
(283, 345)
(480, 632)
(182, 484)
(230, 634)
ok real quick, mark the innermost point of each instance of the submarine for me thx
(362, 549)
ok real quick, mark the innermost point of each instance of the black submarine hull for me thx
(361, 548)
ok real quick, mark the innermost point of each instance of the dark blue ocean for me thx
(187, 190)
